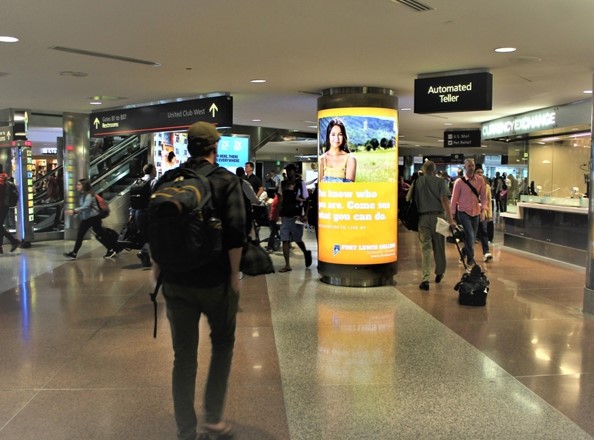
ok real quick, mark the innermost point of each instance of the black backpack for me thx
(140, 194)
(11, 193)
(184, 232)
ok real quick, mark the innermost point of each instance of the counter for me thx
(554, 230)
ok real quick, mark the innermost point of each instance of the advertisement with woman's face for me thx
(357, 165)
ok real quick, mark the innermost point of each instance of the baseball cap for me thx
(203, 134)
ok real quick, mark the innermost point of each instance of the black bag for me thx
(130, 236)
(255, 260)
(408, 214)
(11, 194)
(109, 239)
(290, 206)
(140, 194)
(473, 288)
(183, 230)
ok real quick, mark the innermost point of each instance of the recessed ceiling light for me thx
(256, 120)
(588, 91)
(96, 103)
(7, 39)
(258, 81)
(406, 109)
(447, 123)
(505, 49)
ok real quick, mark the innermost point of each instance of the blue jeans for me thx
(470, 225)
(185, 305)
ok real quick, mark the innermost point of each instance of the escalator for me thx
(112, 171)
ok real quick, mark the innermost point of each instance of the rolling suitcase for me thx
(109, 239)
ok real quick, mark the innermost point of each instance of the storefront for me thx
(554, 145)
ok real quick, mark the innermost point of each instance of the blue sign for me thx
(233, 151)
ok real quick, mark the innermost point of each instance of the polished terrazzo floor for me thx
(312, 361)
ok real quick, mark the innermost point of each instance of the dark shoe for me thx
(1, 250)
(144, 259)
(110, 253)
(226, 433)
(438, 278)
(424, 285)
(307, 258)
(70, 255)
(15, 244)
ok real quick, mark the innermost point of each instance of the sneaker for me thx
(308, 260)
(70, 255)
(488, 257)
(110, 253)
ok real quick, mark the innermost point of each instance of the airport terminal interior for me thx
(312, 361)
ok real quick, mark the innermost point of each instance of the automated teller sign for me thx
(454, 93)
(163, 117)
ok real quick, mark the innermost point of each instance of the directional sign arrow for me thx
(8, 135)
(96, 123)
(213, 109)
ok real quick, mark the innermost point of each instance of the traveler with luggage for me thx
(210, 287)
(89, 214)
(140, 194)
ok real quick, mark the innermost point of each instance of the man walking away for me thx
(292, 195)
(213, 291)
(432, 198)
(468, 199)
(140, 194)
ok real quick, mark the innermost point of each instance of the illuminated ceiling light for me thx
(405, 109)
(258, 81)
(588, 92)
(256, 120)
(447, 123)
(96, 103)
(505, 49)
(7, 39)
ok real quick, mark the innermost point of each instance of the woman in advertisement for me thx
(337, 164)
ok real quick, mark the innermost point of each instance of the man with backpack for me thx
(7, 191)
(211, 288)
(140, 194)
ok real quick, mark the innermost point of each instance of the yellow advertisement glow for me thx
(358, 208)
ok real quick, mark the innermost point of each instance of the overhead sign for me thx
(521, 124)
(163, 117)
(454, 93)
(6, 137)
(462, 138)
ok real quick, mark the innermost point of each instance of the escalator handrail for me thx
(98, 184)
(115, 150)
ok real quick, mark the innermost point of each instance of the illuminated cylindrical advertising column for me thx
(357, 166)
(23, 178)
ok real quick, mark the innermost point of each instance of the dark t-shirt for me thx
(255, 182)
